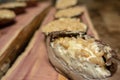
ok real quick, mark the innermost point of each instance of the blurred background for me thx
(105, 15)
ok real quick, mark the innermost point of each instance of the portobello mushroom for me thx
(65, 24)
(62, 4)
(6, 16)
(69, 12)
(79, 56)
(17, 7)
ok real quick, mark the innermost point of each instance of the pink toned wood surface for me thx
(23, 24)
(86, 19)
(34, 64)
(14, 37)
(21, 21)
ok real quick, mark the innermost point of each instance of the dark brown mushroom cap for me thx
(6, 16)
(17, 7)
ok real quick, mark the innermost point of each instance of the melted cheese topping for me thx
(86, 54)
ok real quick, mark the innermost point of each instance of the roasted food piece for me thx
(30, 3)
(17, 7)
(70, 12)
(62, 4)
(79, 56)
(6, 16)
(65, 24)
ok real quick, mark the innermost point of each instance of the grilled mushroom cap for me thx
(6, 16)
(17, 7)
(64, 24)
(70, 12)
(11, 5)
(79, 56)
(62, 4)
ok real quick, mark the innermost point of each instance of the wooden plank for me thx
(14, 38)
(34, 64)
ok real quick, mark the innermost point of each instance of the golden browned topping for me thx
(61, 4)
(70, 12)
(12, 5)
(7, 14)
(82, 48)
(66, 24)
(85, 52)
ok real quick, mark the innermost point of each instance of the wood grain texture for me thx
(14, 38)
(34, 64)
(35, 56)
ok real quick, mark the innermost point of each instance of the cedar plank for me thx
(35, 56)
(15, 36)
